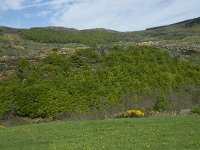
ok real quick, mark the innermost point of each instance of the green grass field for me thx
(169, 133)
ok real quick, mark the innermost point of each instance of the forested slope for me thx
(145, 77)
(56, 35)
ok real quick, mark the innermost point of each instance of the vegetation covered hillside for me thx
(139, 76)
(177, 31)
(180, 38)
(54, 71)
(58, 35)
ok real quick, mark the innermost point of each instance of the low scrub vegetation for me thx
(196, 109)
(130, 114)
(1, 126)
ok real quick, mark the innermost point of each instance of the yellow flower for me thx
(1, 126)
(130, 114)
(135, 113)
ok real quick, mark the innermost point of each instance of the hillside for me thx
(53, 71)
(179, 38)
(184, 24)
(180, 34)
(88, 81)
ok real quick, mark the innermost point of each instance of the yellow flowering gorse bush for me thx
(130, 114)
(136, 113)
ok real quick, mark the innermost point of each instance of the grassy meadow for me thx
(181, 132)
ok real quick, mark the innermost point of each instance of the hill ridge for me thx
(185, 23)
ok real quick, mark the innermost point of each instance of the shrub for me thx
(130, 114)
(162, 104)
(196, 109)
(135, 113)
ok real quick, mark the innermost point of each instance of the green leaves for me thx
(162, 104)
(87, 37)
(87, 80)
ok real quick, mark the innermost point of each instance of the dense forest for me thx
(118, 78)
(57, 35)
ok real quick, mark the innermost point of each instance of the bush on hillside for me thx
(162, 104)
(130, 114)
(196, 109)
